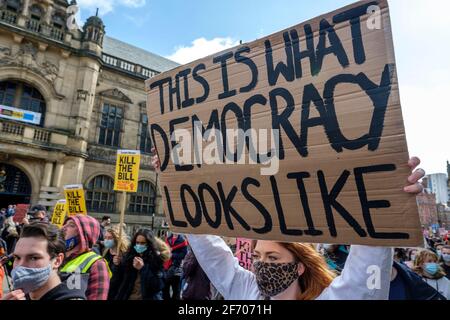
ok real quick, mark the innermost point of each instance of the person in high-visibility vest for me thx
(81, 234)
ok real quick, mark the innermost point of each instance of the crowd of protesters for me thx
(88, 259)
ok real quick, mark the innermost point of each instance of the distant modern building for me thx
(437, 183)
(428, 212)
(68, 100)
(448, 183)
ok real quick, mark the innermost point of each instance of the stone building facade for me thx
(68, 100)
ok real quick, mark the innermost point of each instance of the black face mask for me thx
(274, 278)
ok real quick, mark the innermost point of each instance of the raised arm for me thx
(223, 269)
(366, 275)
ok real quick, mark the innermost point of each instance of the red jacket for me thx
(178, 247)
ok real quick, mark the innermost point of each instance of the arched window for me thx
(143, 202)
(23, 96)
(58, 21)
(57, 29)
(100, 196)
(12, 5)
(36, 14)
(14, 181)
(10, 11)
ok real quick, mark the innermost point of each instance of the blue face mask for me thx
(140, 248)
(71, 243)
(30, 279)
(110, 243)
(431, 268)
(446, 257)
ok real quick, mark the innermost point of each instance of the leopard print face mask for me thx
(274, 278)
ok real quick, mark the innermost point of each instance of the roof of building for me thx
(136, 55)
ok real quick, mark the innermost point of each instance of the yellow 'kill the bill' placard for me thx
(127, 170)
(75, 200)
(59, 213)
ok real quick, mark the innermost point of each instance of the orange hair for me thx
(317, 275)
(421, 257)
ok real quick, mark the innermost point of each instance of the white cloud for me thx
(106, 6)
(201, 48)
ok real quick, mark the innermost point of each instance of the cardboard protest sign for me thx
(127, 170)
(59, 213)
(75, 200)
(320, 155)
(244, 252)
(21, 212)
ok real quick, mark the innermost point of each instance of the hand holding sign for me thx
(413, 186)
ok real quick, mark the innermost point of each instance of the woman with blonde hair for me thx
(427, 266)
(111, 253)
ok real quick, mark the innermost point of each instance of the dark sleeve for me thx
(151, 280)
(101, 236)
(178, 256)
(116, 280)
(190, 265)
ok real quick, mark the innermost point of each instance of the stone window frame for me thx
(36, 96)
(143, 113)
(138, 199)
(105, 194)
(102, 103)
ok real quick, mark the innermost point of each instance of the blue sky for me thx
(186, 30)
(161, 26)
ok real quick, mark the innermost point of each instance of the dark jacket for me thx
(447, 270)
(415, 287)
(114, 282)
(151, 275)
(336, 260)
(62, 292)
(198, 286)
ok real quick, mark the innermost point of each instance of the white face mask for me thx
(413, 257)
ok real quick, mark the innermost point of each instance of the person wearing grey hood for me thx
(37, 257)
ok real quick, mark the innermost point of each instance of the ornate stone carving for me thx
(102, 154)
(99, 153)
(116, 94)
(26, 58)
(118, 79)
